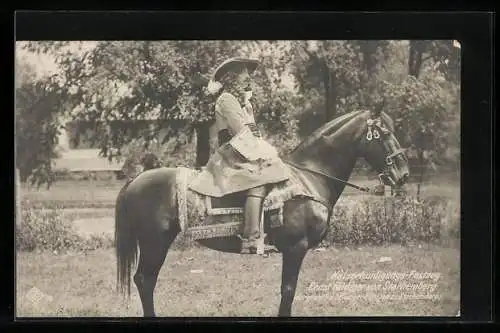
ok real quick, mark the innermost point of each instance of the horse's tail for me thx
(125, 241)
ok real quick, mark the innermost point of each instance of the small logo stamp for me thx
(35, 296)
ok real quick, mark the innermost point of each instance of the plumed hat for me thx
(230, 65)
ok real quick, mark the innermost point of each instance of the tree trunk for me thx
(369, 50)
(421, 172)
(147, 54)
(202, 144)
(415, 58)
(329, 81)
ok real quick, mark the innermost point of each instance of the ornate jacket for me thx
(243, 159)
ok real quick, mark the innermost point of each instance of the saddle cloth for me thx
(203, 217)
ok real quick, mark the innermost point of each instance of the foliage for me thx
(421, 115)
(357, 220)
(379, 221)
(174, 152)
(37, 130)
(352, 65)
(69, 203)
(159, 80)
(425, 109)
(48, 231)
(61, 175)
(440, 55)
(299, 86)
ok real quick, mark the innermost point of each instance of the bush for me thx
(48, 231)
(376, 221)
(382, 220)
(68, 204)
(355, 221)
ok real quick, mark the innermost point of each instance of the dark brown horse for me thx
(146, 208)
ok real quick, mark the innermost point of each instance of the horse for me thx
(146, 216)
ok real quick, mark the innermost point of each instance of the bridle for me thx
(374, 125)
(370, 135)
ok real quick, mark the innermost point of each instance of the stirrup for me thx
(254, 246)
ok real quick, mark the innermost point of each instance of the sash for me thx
(251, 146)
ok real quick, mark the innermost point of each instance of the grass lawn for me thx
(202, 282)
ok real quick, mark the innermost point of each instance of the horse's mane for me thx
(330, 127)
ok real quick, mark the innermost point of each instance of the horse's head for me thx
(381, 149)
(333, 149)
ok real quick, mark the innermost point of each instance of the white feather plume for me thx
(213, 87)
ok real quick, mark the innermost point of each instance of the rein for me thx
(361, 188)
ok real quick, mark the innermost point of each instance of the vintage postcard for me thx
(238, 178)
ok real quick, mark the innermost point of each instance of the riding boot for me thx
(253, 211)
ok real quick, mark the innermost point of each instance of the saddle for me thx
(205, 217)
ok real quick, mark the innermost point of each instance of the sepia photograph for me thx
(237, 178)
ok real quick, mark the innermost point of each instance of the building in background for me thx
(79, 157)
(79, 153)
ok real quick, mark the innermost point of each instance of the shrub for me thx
(382, 220)
(97, 242)
(57, 204)
(376, 221)
(355, 221)
(48, 231)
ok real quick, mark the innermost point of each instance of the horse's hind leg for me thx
(153, 250)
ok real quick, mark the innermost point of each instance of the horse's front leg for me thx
(292, 262)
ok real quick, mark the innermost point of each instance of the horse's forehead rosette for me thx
(374, 125)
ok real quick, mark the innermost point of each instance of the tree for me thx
(444, 57)
(439, 61)
(300, 85)
(421, 114)
(160, 80)
(120, 82)
(276, 100)
(366, 74)
(340, 74)
(416, 57)
(37, 127)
